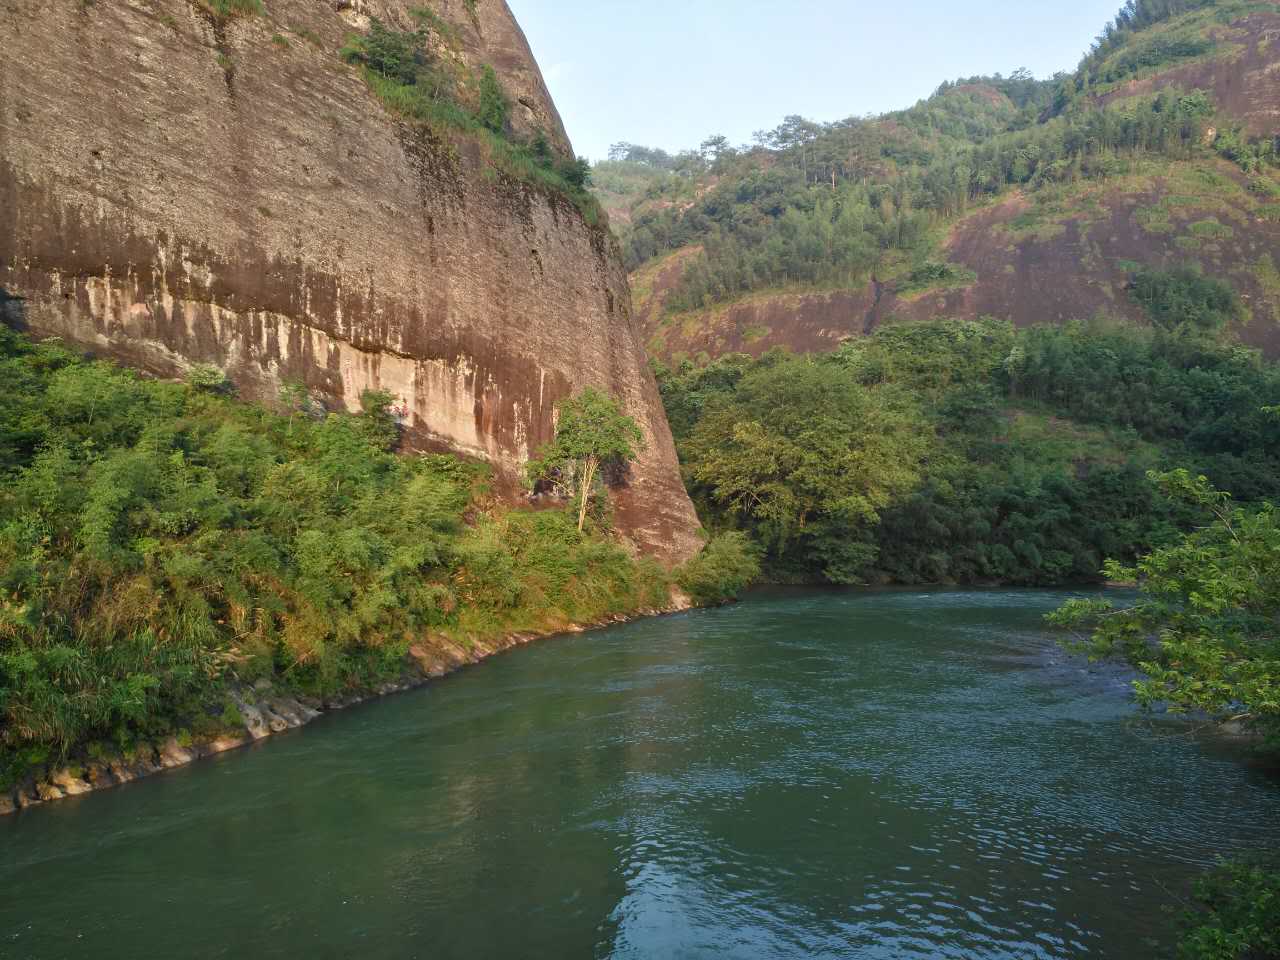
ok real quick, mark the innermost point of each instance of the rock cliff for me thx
(179, 186)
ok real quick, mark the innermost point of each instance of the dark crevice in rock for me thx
(13, 310)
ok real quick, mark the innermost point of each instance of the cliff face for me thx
(177, 187)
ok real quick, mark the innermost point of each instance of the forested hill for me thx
(1027, 200)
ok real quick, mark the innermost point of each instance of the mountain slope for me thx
(1034, 201)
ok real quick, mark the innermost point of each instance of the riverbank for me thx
(266, 712)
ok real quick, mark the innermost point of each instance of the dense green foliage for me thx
(727, 565)
(1199, 399)
(1206, 633)
(441, 92)
(1236, 915)
(1127, 45)
(807, 458)
(1185, 297)
(968, 452)
(161, 543)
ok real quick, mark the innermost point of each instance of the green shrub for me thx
(727, 565)
(391, 54)
(207, 377)
(494, 111)
(1184, 297)
(930, 275)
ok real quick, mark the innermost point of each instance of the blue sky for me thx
(667, 73)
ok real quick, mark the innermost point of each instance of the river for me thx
(806, 774)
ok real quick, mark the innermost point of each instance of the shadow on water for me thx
(13, 310)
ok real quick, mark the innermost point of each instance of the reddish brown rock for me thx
(177, 190)
(98, 775)
(126, 770)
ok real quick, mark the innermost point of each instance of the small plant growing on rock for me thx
(390, 54)
(310, 36)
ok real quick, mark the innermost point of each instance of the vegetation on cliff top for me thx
(413, 80)
(161, 543)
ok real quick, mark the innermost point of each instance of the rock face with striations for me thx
(178, 187)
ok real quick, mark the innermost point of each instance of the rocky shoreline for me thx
(266, 715)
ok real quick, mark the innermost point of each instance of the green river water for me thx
(864, 775)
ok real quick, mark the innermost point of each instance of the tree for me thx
(1206, 631)
(715, 147)
(803, 453)
(296, 398)
(377, 417)
(577, 172)
(495, 108)
(592, 433)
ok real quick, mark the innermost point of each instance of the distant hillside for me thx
(1024, 199)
